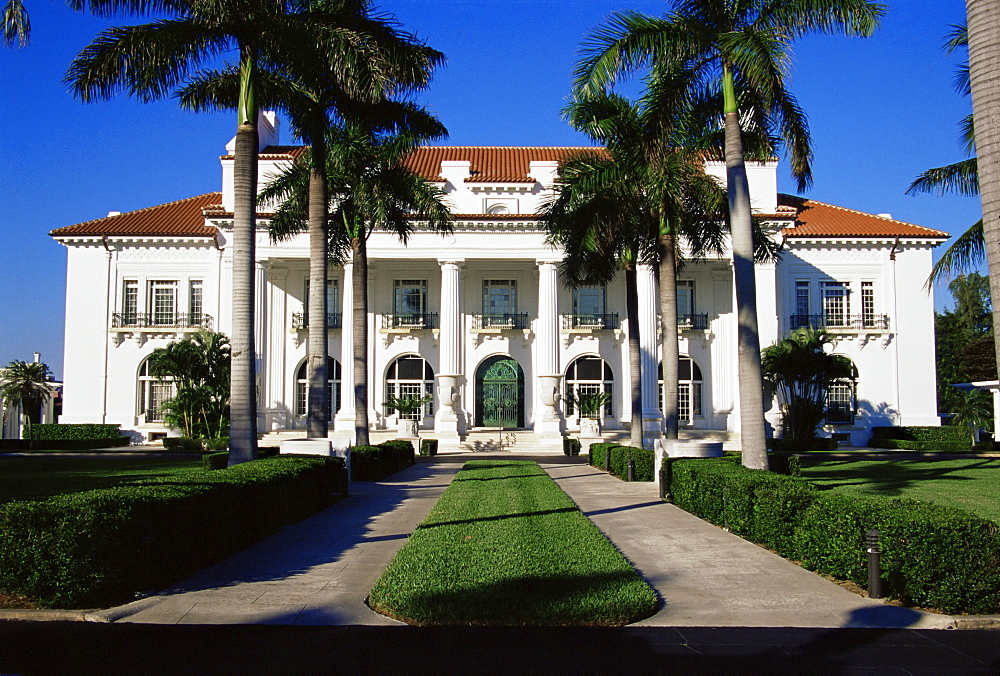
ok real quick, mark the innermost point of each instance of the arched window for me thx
(589, 375)
(151, 392)
(841, 400)
(410, 376)
(689, 384)
(333, 388)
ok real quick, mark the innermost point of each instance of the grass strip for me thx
(505, 546)
(967, 483)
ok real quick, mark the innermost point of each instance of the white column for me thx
(343, 423)
(649, 339)
(449, 421)
(278, 404)
(548, 418)
(260, 340)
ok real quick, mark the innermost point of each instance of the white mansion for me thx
(480, 318)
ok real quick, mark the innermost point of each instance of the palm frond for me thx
(964, 255)
(961, 178)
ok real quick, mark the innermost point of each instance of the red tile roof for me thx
(488, 164)
(183, 218)
(818, 219)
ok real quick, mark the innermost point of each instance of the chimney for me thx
(38, 356)
(114, 213)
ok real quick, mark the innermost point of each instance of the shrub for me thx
(802, 445)
(99, 548)
(571, 446)
(933, 556)
(598, 453)
(374, 463)
(74, 444)
(215, 461)
(428, 447)
(908, 445)
(216, 444)
(925, 433)
(60, 432)
(183, 444)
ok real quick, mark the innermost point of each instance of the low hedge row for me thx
(62, 432)
(620, 455)
(103, 547)
(932, 556)
(906, 444)
(374, 463)
(428, 447)
(952, 433)
(802, 445)
(62, 444)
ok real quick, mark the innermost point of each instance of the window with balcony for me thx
(130, 302)
(333, 388)
(589, 310)
(589, 375)
(836, 304)
(151, 393)
(689, 387)
(333, 313)
(409, 304)
(162, 302)
(410, 376)
(196, 302)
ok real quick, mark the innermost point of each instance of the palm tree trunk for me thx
(319, 405)
(984, 70)
(243, 399)
(750, 378)
(668, 321)
(360, 319)
(634, 368)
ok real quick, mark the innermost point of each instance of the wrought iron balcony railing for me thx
(692, 322)
(841, 322)
(509, 320)
(300, 320)
(160, 320)
(602, 322)
(425, 320)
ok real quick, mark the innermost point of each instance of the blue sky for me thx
(880, 110)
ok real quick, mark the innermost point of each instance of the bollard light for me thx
(874, 566)
(665, 471)
(607, 459)
(631, 469)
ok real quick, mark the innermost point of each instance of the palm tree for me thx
(801, 369)
(17, 25)
(664, 195)
(313, 92)
(198, 366)
(25, 385)
(149, 61)
(741, 50)
(371, 189)
(983, 18)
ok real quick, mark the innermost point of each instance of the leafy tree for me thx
(370, 189)
(802, 370)
(738, 50)
(964, 340)
(198, 366)
(25, 385)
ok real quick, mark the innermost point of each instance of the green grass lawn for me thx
(506, 546)
(34, 478)
(972, 484)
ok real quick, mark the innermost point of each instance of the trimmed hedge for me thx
(374, 463)
(104, 547)
(620, 455)
(56, 431)
(213, 461)
(571, 446)
(932, 556)
(906, 444)
(802, 445)
(950, 433)
(428, 447)
(183, 444)
(68, 444)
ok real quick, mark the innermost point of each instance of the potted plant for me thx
(589, 406)
(407, 407)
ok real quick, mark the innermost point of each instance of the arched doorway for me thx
(499, 393)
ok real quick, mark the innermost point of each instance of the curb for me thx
(43, 615)
(977, 621)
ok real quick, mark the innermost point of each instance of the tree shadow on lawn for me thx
(889, 477)
(611, 598)
(499, 517)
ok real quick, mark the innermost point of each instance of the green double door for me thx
(500, 393)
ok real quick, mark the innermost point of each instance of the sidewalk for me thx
(318, 572)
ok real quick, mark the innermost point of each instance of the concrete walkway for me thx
(318, 572)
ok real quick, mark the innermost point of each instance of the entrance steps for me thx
(730, 440)
(475, 441)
